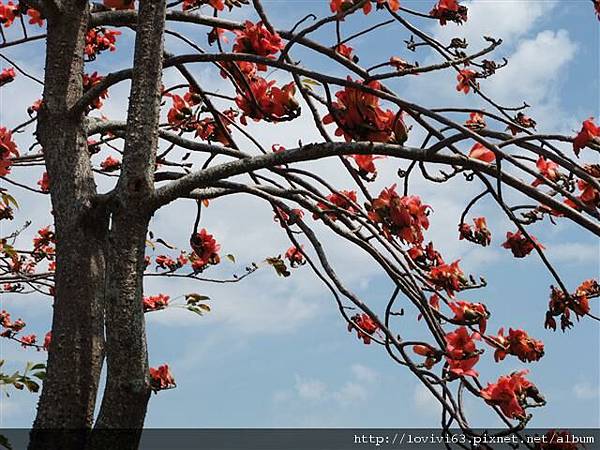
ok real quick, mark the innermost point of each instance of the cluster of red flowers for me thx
(449, 10)
(425, 256)
(579, 302)
(9, 12)
(510, 394)
(480, 235)
(256, 39)
(347, 52)
(295, 256)
(181, 115)
(43, 244)
(7, 75)
(359, 116)
(589, 132)
(209, 130)
(466, 80)
(466, 313)
(120, 4)
(155, 302)
(265, 101)
(449, 277)
(482, 153)
(365, 327)
(517, 343)
(343, 200)
(8, 150)
(206, 251)
(366, 166)
(89, 81)
(9, 326)
(166, 262)
(519, 245)
(98, 40)
(548, 169)
(402, 216)
(110, 164)
(161, 378)
(461, 352)
(341, 6)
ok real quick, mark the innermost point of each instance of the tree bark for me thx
(76, 352)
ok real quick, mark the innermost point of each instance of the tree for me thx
(93, 260)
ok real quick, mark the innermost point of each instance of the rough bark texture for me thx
(76, 353)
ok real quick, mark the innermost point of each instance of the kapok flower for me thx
(480, 235)
(365, 327)
(268, 102)
(256, 39)
(7, 75)
(28, 341)
(35, 17)
(359, 116)
(161, 378)
(548, 169)
(519, 245)
(341, 6)
(405, 217)
(89, 81)
(98, 40)
(347, 52)
(180, 114)
(47, 340)
(290, 218)
(476, 121)
(166, 262)
(510, 394)
(8, 13)
(522, 120)
(110, 164)
(343, 200)
(461, 352)
(8, 150)
(155, 302)
(589, 132)
(466, 313)
(482, 153)
(119, 4)
(466, 80)
(449, 277)
(206, 250)
(432, 355)
(295, 256)
(366, 165)
(517, 343)
(449, 10)
(44, 183)
(425, 257)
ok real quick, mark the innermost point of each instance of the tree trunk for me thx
(76, 352)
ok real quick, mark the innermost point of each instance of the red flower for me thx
(405, 217)
(47, 340)
(461, 352)
(7, 75)
(110, 164)
(466, 313)
(180, 114)
(28, 340)
(347, 52)
(425, 257)
(155, 303)
(476, 121)
(35, 107)
(517, 343)
(290, 218)
(161, 378)
(522, 120)
(7, 148)
(519, 245)
(295, 256)
(359, 116)
(481, 235)
(589, 195)
(466, 80)
(589, 132)
(366, 165)
(8, 13)
(449, 277)
(510, 394)
(166, 262)
(217, 34)
(449, 10)
(100, 39)
(256, 39)
(365, 327)
(267, 101)
(35, 17)
(341, 6)
(44, 183)
(548, 169)
(206, 250)
(343, 200)
(89, 81)
(482, 153)
(119, 4)
(432, 356)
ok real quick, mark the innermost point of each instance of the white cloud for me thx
(573, 253)
(310, 389)
(364, 373)
(351, 392)
(586, 391)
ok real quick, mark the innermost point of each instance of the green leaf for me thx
(38, 366)
(40, 375)
(279, 266)
(32, 386)
(230, 257)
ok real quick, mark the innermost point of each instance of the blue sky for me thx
(274, 352)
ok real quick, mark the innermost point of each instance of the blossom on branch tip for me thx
(466, 313)
(466, 80)
(510, 394)
(8, 151)
(294, 256)
(155, 302)
(206, 251)
(520, 245)
(480, 235)
(589, 133)
(342, 200)
(110, 164)
(7, 75)
(482, 153)
(161, 378)
(476, 121)
(365, 327)
(449, 10)
(517, 343)
(461, 352)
